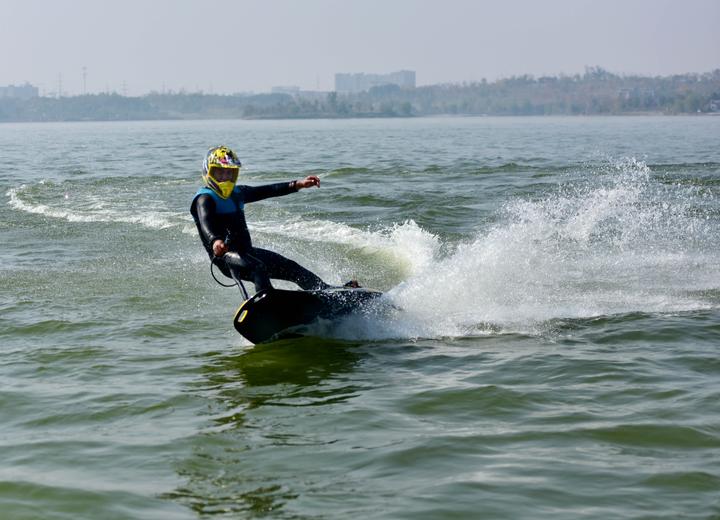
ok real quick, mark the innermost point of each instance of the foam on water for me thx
(406, 245)
(617, 241)
(91, 206)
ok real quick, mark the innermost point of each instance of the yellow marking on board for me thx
(242, 316)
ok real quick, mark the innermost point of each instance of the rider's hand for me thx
(308, 182)
(219, 248)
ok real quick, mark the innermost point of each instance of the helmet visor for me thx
(222, 174)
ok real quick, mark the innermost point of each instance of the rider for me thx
(218, 211)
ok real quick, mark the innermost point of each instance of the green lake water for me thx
(552, 347)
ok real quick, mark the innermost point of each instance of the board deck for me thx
(272, 314)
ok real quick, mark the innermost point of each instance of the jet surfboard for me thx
(278, 313)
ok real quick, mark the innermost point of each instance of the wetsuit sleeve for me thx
(206, 222)
(255, 193)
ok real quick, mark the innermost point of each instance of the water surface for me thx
(551, 350)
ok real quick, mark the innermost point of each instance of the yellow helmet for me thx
(221, 158)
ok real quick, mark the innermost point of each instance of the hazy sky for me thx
(228, 46)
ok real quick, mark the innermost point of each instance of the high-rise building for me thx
(25, 91)
(359, 82)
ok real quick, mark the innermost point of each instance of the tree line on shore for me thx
(596, 92)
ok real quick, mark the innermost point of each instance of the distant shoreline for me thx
(357, 118)
(596, 93)
(379, 116)
(434, 116)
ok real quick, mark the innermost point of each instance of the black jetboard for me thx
(272, 314)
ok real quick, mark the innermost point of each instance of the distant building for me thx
(359, 82)
(292, 90)
(25, 91)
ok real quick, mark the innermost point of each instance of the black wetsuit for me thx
(242, 260)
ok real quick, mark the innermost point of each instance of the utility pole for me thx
(84, 70)
(59, 92)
